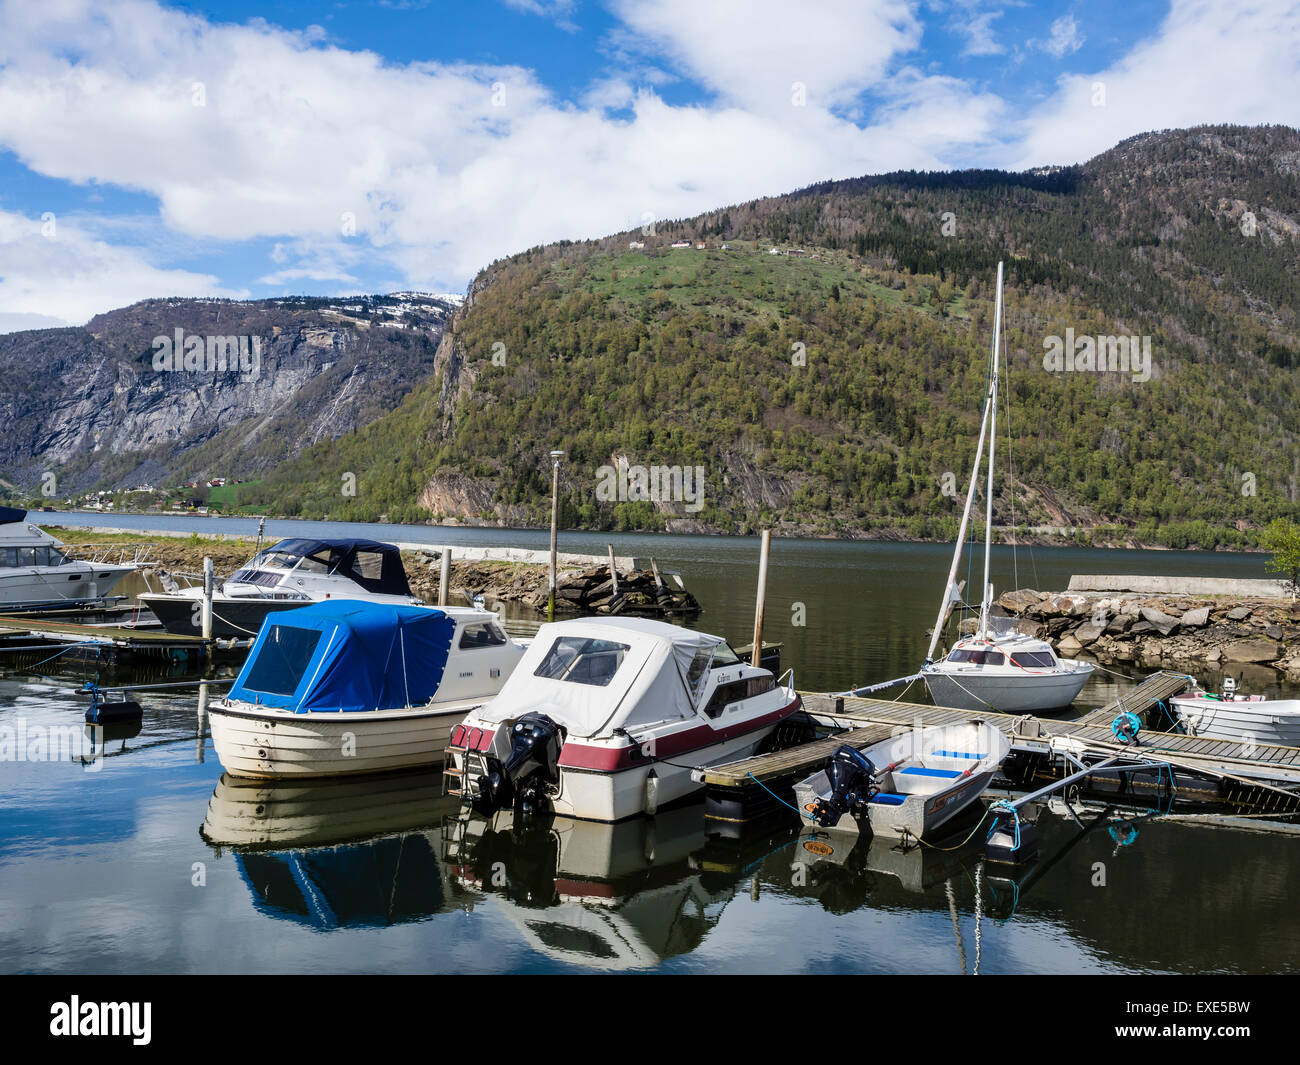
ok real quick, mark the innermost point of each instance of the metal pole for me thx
(757, 657)
(555, 515)
(444, 576)
(206, 615)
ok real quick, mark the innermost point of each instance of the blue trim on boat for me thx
(922, 771)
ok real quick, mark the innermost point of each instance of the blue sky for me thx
(254, 149)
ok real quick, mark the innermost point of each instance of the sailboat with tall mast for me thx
(996, 667)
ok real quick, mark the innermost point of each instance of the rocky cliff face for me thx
(251, 383)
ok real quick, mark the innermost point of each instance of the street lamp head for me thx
(557, 455)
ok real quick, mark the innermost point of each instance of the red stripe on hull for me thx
(675, 745)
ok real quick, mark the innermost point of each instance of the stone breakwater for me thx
(1164, 632)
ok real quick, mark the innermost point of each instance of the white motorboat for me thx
(908, 785)
(285, 576)
(347, 687)
(996, 668)
(36, 574)
(1232, 715)
(1006, 671)
(605, 719)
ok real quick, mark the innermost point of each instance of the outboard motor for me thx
(532, 766)
(852, 779)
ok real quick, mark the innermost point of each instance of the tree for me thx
(1282, 537)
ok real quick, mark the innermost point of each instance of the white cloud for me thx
(977, 28)
(751, 51)
(444, 167)
(1065, 38)
(1207, 63)
(63, 275)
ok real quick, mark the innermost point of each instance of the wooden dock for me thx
(753, 787)
(31, 634)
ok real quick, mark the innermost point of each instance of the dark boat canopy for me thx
(375, 566)
(9, 515)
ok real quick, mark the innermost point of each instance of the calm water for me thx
(148, 861)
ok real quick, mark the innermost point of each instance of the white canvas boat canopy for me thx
(595, 676)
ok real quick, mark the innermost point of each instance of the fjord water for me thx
(147, 860)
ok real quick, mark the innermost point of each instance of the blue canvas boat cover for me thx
(346, 656)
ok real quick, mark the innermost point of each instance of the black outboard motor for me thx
(852, 778)
(533, 764)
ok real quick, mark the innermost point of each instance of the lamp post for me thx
(556, 456)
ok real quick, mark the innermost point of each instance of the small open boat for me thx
(1235, 716)
(909, 785)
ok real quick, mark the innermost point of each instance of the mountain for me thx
(103, 405)
(825, 369)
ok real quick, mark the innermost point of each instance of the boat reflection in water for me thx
(336, 853)
(609, 896)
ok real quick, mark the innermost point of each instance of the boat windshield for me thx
(582, 660)
(977, 658)
(12, 557)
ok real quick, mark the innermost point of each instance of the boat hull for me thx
(1008, 693)
(231, 618)
(49, 587)
(1269, 721)
(267, 744)
(604, 789)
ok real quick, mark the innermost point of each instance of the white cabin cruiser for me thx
(996, 668)
(1006, 671)
(605, 719)
(349, 687)
(285, 576)
(1252, 719)
(35, 574)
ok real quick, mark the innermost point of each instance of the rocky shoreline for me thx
(1155, 632)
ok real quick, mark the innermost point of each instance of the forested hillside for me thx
(829, 387)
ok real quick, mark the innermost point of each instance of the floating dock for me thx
(1259, 777)
(35, 634)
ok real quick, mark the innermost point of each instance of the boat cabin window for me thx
(582, 660)
(699, 671)
(726, 694)
(977, 658)
(282, 660)
(368, 565)
(317, 563)
(32, 556)
(486, 634)
(1034, 659)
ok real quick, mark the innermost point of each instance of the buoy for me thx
(103, 711)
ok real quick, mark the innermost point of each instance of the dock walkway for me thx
(753, 786)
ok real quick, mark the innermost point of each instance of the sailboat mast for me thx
(950, 586)
(987, 598)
